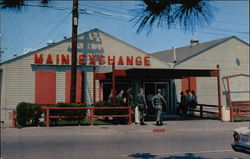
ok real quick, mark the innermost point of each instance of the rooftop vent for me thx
(194, 42)
(65, 37)
(50, 42)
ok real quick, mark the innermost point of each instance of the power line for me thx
(86, 11)
(53, 30)
(30, 38)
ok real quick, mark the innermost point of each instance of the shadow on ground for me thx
(151, 156)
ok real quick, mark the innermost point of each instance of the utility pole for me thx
(74, 52)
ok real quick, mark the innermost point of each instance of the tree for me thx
(187, 14)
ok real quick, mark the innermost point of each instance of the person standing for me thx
(130, 98)
(157, 102)
(110, 97)
(193, 102)
(183, 106)
(142, 106)
(120, 97)
(188, 99)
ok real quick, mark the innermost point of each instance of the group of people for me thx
(139, 104)
(188, 102)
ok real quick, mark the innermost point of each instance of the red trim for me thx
(214, 73)
(184, 84)
(94, 85)
(45, 87)
(120, 73)
(100, 91)
(192, 82)
(100, 76)
(79, 86)
(188, 83)
(235, 76)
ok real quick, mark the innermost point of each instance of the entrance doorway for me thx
(108, 85)
(151, 89)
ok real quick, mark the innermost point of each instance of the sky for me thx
(32, 27)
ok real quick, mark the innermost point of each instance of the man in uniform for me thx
(157, 102)
(142, 106)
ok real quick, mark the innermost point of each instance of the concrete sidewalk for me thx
(190, 139)
(169, 126)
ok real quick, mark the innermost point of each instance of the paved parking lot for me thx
(194, 139)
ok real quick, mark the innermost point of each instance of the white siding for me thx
(60, 86)
(225, 55)
(178, 89)
(239, 88)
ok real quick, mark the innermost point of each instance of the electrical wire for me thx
(53, 30)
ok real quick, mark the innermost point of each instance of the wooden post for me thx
(91, 117)
(130, 115)
(201, 111)
(94, 84)
(113, 82)
(230, 101)
(74, 52)
(219, 92)
(14, 119)
(47, 117)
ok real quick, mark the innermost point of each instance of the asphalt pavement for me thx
(189, 139)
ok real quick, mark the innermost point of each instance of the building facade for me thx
(43, 76)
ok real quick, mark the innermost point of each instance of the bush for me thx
(68, 112)
(28, 112)
(109, 111)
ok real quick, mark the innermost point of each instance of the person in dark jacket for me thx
(130, 98)
(188, 100)
(142, 106)
(183, 104)
(157, 102)
(193, 102)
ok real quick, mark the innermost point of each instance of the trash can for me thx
(225, 113)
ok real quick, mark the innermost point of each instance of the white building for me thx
(43, 76)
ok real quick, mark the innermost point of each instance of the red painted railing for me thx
(14, 118)
(91, 115)
(239, 108)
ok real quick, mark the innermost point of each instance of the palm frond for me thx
(188, 14)
(17, 4)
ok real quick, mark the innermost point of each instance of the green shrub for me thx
(28, 112)
(109, 111)
(68, 112)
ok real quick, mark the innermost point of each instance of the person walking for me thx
(142, 106)
(157, 102)
(193, 102)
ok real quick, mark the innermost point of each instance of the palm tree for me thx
(17, 4)
(187, 14)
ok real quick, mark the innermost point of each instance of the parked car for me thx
(241, 140)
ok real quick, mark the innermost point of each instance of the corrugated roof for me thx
(183, 53)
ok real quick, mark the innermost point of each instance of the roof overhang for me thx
(141, 73)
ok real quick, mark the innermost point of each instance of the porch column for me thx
(219, 91)
(113, 82)
(94, 84)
